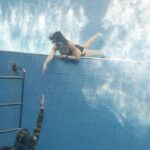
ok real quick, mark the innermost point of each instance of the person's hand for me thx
(61, 56)
(44, 67)
(42, 102)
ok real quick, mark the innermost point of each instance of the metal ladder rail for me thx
(22, 78)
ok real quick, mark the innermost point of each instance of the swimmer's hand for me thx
(62, 56)
(42, 102)
(44, 67)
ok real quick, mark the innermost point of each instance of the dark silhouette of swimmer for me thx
(24, 139)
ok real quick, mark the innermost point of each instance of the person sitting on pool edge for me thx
(69, 50)
(25, 140)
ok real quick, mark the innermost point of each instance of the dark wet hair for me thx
(23, 136)
(58, 37)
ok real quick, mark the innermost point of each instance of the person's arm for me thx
(68, 57)
(37, 129)
(49, 58)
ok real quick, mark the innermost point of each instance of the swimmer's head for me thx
(58, 37)
(23, 136)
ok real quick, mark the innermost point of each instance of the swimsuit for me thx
(81, 48)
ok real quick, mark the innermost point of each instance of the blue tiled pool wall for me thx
(75, 118)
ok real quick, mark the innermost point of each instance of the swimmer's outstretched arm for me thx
(49, 58)
(36, 131)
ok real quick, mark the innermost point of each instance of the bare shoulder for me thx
(71, 44)
(54, 48)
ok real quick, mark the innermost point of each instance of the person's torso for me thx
(63, 48)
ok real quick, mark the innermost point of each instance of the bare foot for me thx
(99, 34)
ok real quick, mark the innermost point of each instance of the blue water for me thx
(26, 25)
(93, 104)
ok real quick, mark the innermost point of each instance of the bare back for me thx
(62, 48)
